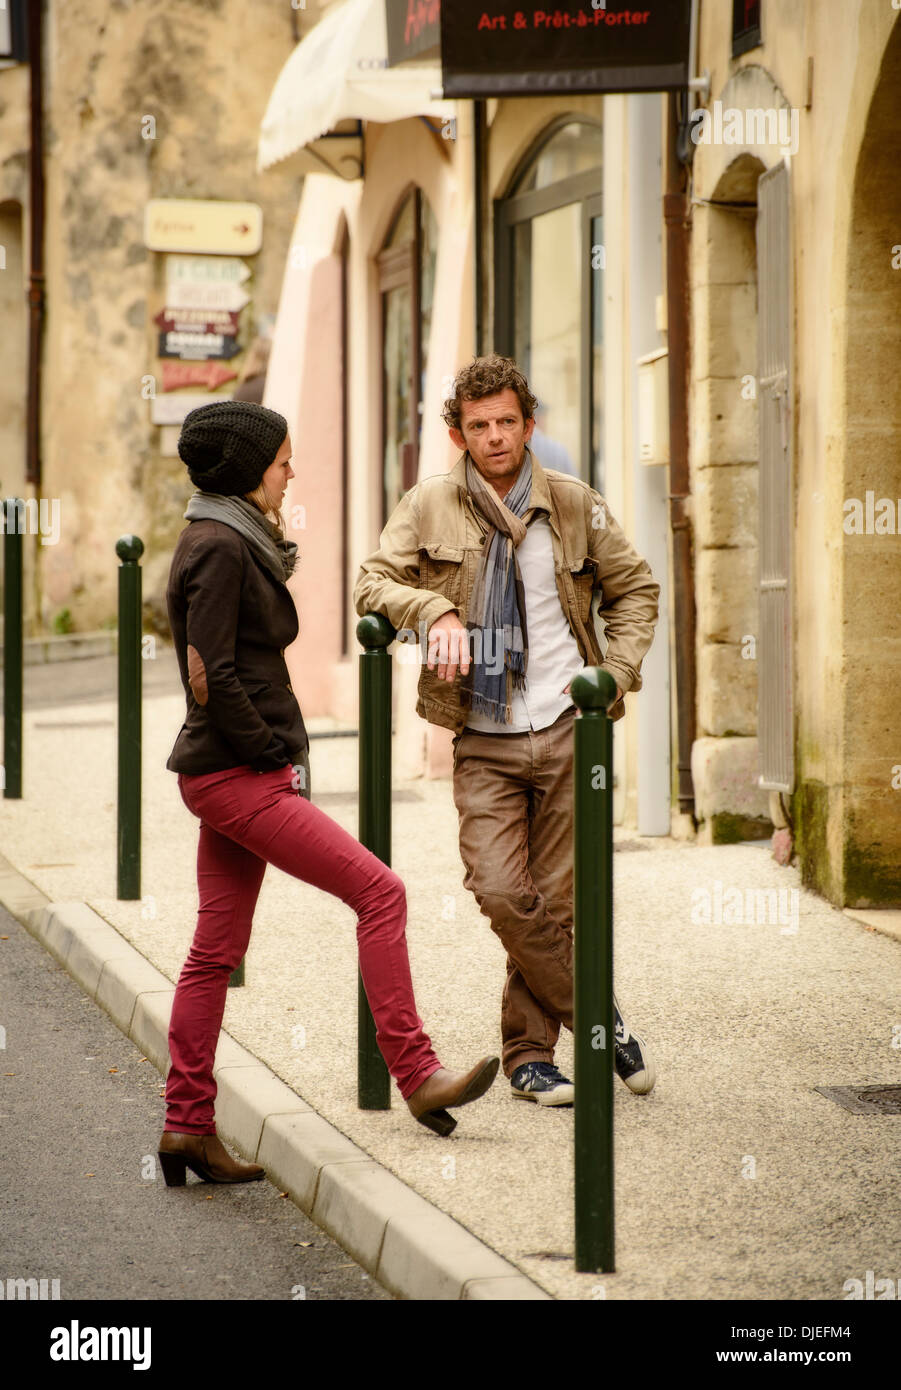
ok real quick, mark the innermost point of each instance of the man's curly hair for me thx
(486, 376)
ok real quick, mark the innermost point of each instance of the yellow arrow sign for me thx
(204, 225)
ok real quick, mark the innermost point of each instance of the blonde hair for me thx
(261, 499)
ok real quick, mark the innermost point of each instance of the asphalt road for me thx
(82, 1199)
(85, 679)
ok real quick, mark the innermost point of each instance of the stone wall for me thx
(203, 70)
(724, 468)
(835, 69)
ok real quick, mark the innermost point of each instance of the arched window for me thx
(549, 293)
(406, 267)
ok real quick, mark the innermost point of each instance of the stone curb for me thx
(415, 1250)
(886, 920)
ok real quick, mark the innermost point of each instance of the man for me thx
(494, 565)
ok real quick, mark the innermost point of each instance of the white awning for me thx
(336, 78)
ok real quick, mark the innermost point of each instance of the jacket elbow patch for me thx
(197, 675)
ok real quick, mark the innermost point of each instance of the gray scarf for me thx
(264, 538)
(497, 605)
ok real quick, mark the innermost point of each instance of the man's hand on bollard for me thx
(448, 647)
(619, 693)
(616, 710)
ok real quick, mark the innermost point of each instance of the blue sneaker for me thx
(632, 1058)
(542, 1082)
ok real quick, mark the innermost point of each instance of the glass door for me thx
(549, 295)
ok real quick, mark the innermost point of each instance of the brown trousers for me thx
(514, 797)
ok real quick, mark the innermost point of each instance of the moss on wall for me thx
(729, 829)
(810, 816)
(871, 878)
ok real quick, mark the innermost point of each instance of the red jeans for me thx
(249, 819)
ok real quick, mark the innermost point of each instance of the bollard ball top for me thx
(593, 689)
(129, 547)
(374, 631)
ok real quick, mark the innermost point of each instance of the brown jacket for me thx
(231, 622)
(426, 565)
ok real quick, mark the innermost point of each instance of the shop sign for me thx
(500, 49)
(414, 29)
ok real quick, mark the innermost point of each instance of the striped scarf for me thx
(497, 605)
(270, 547)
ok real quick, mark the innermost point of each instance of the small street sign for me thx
(209, 374)
(197, 320)
(199, 346)
(171, 410)
(205, 225)
(188, 296)
(206, 270)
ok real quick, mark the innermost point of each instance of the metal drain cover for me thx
(865, 1100)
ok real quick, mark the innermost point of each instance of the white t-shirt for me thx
(554, 656)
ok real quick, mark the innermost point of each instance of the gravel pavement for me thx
(735, 1178)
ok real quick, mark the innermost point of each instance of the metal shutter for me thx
(775, 720)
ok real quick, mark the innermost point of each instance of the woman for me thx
(240, 756)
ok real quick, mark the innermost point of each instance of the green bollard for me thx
(593, 691)
(375, 634)
(128, 867)
(12, 649)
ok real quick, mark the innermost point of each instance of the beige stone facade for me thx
(831, 66)
(828, 70)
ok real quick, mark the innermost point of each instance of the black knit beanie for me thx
(228, 445)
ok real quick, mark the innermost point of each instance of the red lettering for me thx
(419, 14)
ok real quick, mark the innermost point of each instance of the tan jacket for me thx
(430, 549)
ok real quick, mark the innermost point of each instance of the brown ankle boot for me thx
(206, 1156)
(447, 1088)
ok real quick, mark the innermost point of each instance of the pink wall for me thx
(313, 499)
